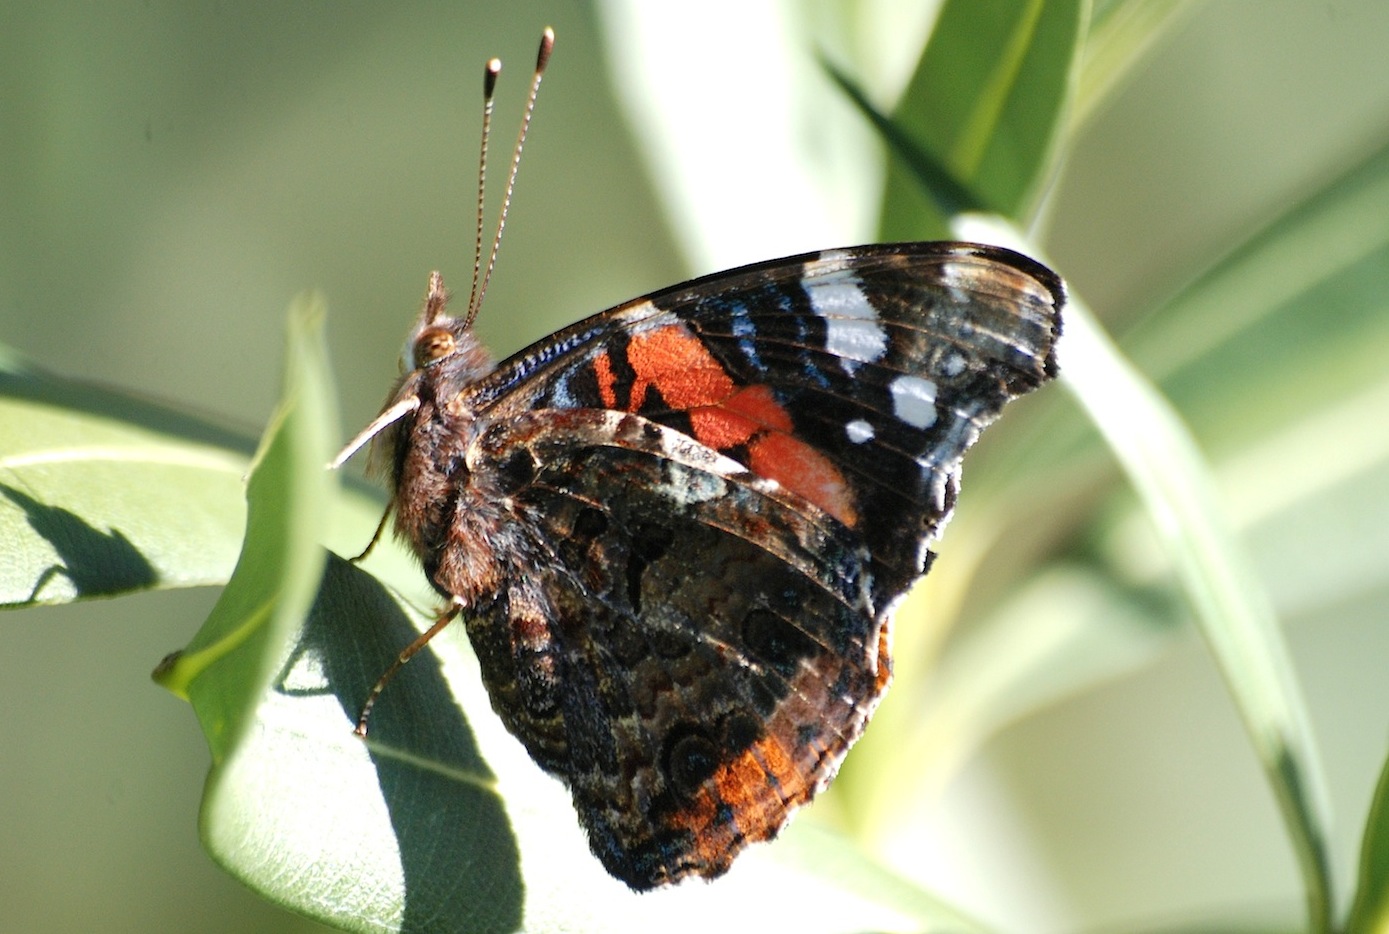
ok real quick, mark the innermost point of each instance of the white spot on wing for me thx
(852, 331)
(560, 395)
(859, 431)
(914, 400)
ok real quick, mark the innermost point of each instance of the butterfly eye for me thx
(433, 344)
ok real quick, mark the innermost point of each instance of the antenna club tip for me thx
(547, 45)
(489, 77)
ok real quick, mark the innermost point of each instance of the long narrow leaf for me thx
(989, 99)
(1370, 913)
(1229, 603)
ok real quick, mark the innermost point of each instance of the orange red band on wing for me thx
(607, 380)
(757, 789)
(725, 416)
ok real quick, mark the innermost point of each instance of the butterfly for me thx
(676, 531)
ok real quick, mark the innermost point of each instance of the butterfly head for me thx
(436, 335)
(442, 345)
(441, 357)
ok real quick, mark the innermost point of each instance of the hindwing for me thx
(693, 652)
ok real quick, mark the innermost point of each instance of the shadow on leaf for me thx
(97, 563)
(458, 851)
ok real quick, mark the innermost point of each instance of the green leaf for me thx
(989, 100)
(1370, 913)
(103, 493)
(403, 832)
(935, 176)
(1163, 463)
(752, 152)
(1291, 320)
(229, 660)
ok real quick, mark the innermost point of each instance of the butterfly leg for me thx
(375, 536)
(446, 617)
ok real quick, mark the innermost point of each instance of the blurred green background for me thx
(172, 174)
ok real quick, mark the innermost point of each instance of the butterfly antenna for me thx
(542, 58)
(489, 87)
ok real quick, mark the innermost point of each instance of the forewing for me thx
(855, 378)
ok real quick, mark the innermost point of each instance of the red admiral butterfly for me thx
(676, 531)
